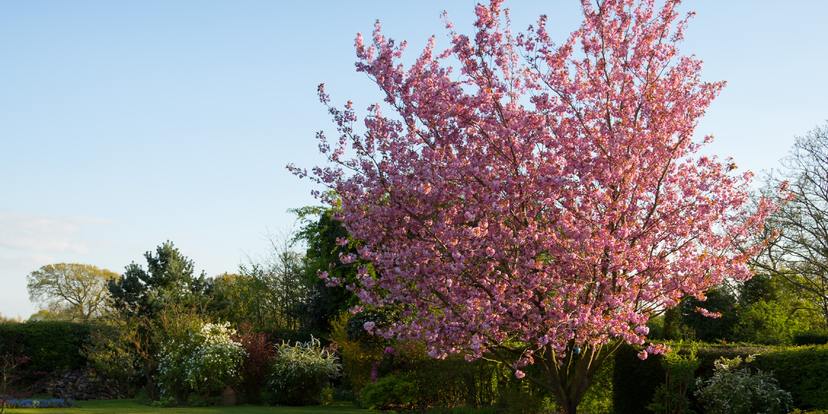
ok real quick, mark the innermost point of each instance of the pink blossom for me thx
(550, 191)
(706, 313)
(368, 326)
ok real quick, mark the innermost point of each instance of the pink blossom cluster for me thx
(514, 190)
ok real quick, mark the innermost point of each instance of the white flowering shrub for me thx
(735, 389)
(204, 362)
(300, 372)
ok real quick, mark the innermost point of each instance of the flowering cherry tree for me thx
(537, 202)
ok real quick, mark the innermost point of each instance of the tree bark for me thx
(568, 378)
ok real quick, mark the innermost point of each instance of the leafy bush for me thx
(635, 381)
(300, 372)
(393, 392)
(256, 366)
(216, 361)
(113, 356)
(450, 384)
(737, 390)
(680, 369)
(203, 362)
(181, 341)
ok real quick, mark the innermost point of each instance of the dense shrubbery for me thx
(811, 338)
(736, 389)
(800, 370)
(399, 374)
(392, 392)
(256, 366)
(300, 372)
(51, 346)
(176, 350)
(202, 362)
(671, 397)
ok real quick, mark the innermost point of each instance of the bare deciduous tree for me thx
(799, 254)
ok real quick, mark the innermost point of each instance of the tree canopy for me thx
(72, 290)
(537, 200)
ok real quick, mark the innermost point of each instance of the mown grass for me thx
(132, 407)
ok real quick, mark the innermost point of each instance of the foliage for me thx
(9, 365)
(358, 358)
(266, 293)
(770, 322)
(800, 370)
(687, 322)
(452, 384)
(761, 310)
(326, 240)
(300, 372)
(392, 392)
(811, 338)
(216, 361)
(260, 354)
(774, 312)
(539, 191)
(169, 279)
(51, 346)
(635, 381)
(202, 361)
(78, 290)
(798, 256)
(680, 370)
(151, 302)
(738, 390)
(110, 353)
(181, 339)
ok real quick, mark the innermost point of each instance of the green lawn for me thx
(131, 407)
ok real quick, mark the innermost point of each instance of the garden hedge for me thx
(811, 338)
(51, 346)
(799, 370)
(803, 371)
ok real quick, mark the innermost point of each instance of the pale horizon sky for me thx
(125, 124)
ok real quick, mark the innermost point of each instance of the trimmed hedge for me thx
(799, 370)
(802, 371)
(634, 381)
(51, 346)
(811, 338)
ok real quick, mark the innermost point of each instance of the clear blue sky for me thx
(124, 124)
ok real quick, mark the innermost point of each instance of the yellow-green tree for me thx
(76, 290)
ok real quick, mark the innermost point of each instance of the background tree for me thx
(152, 303)
(540, 202)
(266, 294)
(78, 291)
(685, 321)
(772, 311)
(326, 240)
(800, 254)
(169, 278)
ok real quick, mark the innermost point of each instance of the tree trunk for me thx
(568, 378)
